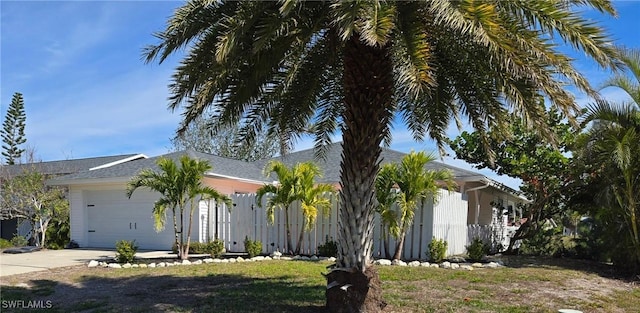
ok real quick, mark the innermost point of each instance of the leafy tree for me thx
(414, 184)
(608, 152)
(225, 142)
(351, 66)
(26, 196)
(180, 185)
(543, 167)
(295, 184)
(13, 130)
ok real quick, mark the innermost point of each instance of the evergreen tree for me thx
(13, 130)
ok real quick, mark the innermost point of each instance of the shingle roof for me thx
(330, 165)
(221, 166)
(63, 167)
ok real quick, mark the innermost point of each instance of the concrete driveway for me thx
(11, 264)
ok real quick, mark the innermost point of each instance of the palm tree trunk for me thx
(288, 230)
(354, 286)
(399, 245)
(186, 250)
(175, 231)
(299, 243)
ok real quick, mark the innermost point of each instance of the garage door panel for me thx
(112, 217)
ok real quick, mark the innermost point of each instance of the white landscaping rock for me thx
(382, 262)
(162, 264)
(186, 262)
(170, 264)
(331, 259)
(126, 265)
(239, 259)
(93, 263)
(224, 261)
(398, 263)
(232, 260)
(197, 262)
(153, 265)
(115, 265)
(425, 264)
(445, 264)
(414, 263)
(313, 258)
(492, 265)
(466, 267)
(455, 266)
(268, 258)
(208, 260)
(258, 258)
(135, 266)
(216, 260)
(143, 265)
(476, 264)
(286, 258)
(276, 254)
(434, 265)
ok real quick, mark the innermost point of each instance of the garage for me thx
(111, 216)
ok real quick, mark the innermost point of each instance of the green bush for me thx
(437, 250)
(215, 248)
(126, 251)
(58, 234)
(329, 248)
(477, 250)
(4, 243)
(19, 241)
(549, 242)
(253, 248)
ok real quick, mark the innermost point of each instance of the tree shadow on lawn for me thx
(581, 265)
(214, 293)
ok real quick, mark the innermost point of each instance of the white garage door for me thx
(112, 217)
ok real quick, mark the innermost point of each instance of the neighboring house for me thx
(10, 227)
(101, 214)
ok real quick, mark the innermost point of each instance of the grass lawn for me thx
(527, 285)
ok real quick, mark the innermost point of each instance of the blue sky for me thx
(87, 92)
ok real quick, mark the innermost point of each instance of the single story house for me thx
(101, 213)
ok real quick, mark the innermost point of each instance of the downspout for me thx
(477, 198)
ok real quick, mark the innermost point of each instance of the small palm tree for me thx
(294, 184)
(414, 184)
(312, 196)
(178, 186)
(387, 196)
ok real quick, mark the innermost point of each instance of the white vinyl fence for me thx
(447, 220)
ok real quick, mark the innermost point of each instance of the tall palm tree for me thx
(613, 143)
(178, 186)
(353, 65)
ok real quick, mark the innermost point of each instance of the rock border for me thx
(278, 256)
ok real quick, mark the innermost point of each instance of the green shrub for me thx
(549, 242)
(253, 248)
(477, 250)
(4, 243)
(216, 248)
(437, 250)
(19, 241)
(329, 248)
(58, 234)
(126, 251)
